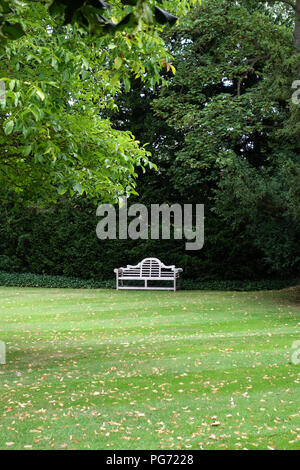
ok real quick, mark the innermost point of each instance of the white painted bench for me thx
(150, 269)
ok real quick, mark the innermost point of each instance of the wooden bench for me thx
(150, 269)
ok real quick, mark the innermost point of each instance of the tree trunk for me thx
(297, 29)
(297, 26)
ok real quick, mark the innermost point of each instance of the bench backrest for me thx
(149, 267)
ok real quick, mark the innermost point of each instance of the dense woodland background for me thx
(223, 132)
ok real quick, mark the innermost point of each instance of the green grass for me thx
(102, 369)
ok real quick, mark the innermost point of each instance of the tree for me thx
(264, 204)
(231, 101)
(58, 78)
(296, 7)
(218, 100)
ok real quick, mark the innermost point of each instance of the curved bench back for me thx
(147, 270)
(151, 267)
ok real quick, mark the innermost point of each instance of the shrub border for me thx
(47, 281)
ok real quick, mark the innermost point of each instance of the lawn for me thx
(101, 369)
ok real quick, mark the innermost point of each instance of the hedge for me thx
(60, 240)
(40, 280)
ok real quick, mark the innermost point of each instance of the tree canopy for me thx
(89, 15)
(58, 77)
(225, 131)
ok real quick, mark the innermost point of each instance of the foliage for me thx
(61, 240)
(224, 98)
(88, 15)
(62, 282)
(43, 280)
(231, 102)
(224, 122)
(241, 241)
(265, 203)
(238, 285)
(58, 79)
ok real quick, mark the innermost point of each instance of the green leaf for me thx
(54, 63)
(78, 188)
(35, 113)
(40, 93)
(115, 80)
(12, 84)
(118, 62)
(26, 150)
(127, 84)
(8, 127)
(61, 190)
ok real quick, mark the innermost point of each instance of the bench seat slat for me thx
(144, 288)
(146, 278)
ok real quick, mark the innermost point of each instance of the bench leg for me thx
(174, 284)
(146, 284)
